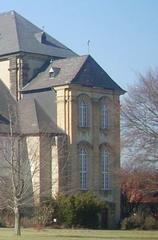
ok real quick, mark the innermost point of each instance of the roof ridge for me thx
(85, 60)
(17, 29)
(37, 105)
(8, 12)
(14, 14)
(41, 30)
(67, 58)
(23, 34)
(31, 109)
(34, 103)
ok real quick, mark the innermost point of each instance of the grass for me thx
(62, 234)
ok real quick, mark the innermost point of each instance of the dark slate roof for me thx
(4, 125)
(34, 120)
(8, 106)
(18, 34)
(93, 75)
(81, 70)
(3, 120)
(28, 116)
(67, 70)
(6, 100)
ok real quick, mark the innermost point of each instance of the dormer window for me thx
(43, 38)
(51, 73)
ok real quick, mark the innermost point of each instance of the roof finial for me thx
(88, 44)
(51, 61)
(43, 28)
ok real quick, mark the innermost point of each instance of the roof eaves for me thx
(118, 89)
(8, 54)
(35, 90)
(121, 91)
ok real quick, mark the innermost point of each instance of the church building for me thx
(67, 108)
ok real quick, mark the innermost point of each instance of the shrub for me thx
(7, 218)
(135, 221)
(79, 210)
(43, 214)
(139, 221)
(87, 208)
(65, 212)
(27, 222)
(150, 223)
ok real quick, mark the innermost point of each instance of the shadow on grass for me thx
(103, 237)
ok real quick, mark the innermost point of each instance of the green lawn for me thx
(54, 234)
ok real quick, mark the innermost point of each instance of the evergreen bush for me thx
(79, 210)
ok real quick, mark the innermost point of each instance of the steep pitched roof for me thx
(28, 116)
(3, 120)
(67, 70)
(8, 106)
(45, 124)
(18, 34)
(34, 120)
(81, 70)
(6, 100)
(93, 75)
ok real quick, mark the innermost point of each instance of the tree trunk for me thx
(17, 221)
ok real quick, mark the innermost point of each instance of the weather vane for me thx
(88, 44)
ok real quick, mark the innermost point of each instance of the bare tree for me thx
(17, 172)
(140, 121)
(20, 170)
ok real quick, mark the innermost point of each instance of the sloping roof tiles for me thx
(81, 70)
(19, 35)
(34, 120)
(67, 70)
(8, 110)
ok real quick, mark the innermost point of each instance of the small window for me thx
(103, 116)
(104, 159)
(83, 114)
(83, 158)
(51, 73)
(43, 37)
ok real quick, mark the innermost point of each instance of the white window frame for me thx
(83, 114)
(104, 158)
(83, 157)
(104, 116)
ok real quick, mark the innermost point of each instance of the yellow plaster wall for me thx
(4, 72)
(33, 156)
(55, 169)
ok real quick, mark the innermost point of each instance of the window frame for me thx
(83, 161)
(103, 115)
(104, 169)
(83, 113)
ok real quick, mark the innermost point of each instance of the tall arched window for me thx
(83, 158)
(104, 160)
(83, 114)
(103, 115)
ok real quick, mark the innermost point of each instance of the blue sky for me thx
(123, 34)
